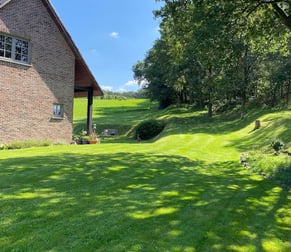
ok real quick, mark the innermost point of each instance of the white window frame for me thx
(14, 49)
(4, 2)
(58, 111)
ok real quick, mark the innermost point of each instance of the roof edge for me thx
(70, 42)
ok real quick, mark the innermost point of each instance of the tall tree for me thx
(208, 50)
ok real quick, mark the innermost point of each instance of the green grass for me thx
(182, 191)
(272, 166)
(106, 112)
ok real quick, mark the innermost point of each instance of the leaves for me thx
(209, 50)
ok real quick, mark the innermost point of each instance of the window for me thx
(14, 48)
(58, 111)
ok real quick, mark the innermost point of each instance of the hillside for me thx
(126, 114)
(192, 133)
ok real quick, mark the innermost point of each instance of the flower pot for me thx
(92, 141)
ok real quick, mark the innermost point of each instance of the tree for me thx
(153, 73)
(208, 50)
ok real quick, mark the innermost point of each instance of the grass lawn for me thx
(183, 191)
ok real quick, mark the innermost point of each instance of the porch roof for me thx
(84, 79)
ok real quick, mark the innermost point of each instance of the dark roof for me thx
(83, 76)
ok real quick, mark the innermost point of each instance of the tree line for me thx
(219, 51)
(111, 95)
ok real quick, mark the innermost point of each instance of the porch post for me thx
(89, 110)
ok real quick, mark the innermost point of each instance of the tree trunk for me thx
(210, 105)
(288, 91)
(246, 76)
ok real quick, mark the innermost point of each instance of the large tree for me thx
(208, 50)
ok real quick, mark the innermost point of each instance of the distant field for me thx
(185, 190)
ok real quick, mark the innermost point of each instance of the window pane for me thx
(18, 49)
(8, 40)
(2, 38)
(18, 56)
(8, 47)
(24, 44)
(1, 53)
(25, 59)
(25, 51)
(2, 45)
(8, 54)
(18, 43)
(58, 110)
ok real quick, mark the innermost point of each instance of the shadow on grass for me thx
(263, 136)
(138, 202)
(199, 122)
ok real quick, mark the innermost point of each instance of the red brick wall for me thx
(27, 93)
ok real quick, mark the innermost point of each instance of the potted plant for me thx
(84, 137)
(93, 139)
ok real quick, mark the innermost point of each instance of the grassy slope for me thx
(184, 191)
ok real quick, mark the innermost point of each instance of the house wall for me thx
(28, 92)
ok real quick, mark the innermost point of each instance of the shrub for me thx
(27, 144)
(149, 129)
(275, 167)
(277, 145)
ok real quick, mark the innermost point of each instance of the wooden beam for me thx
(90, 110)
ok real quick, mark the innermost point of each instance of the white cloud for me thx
(132, 83)
(114, 35)
(107, 88)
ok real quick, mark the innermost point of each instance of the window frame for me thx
(14, 49)
(58, 111)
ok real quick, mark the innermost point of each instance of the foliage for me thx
(277, 145)
(277, 168)
(149, 129)
(217, 50)
(83, 137)
(110, 95)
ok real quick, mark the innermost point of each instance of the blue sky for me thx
(112, 36)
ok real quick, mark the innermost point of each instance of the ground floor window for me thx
(58, 110)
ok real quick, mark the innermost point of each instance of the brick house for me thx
(41, 71)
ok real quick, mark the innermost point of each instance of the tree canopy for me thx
(212, 51)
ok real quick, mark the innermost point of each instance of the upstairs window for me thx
(14, 48)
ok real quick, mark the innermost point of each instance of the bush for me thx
(275, 167)
(149, 129)
(277, 145)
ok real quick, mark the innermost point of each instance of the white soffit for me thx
(4, 2)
